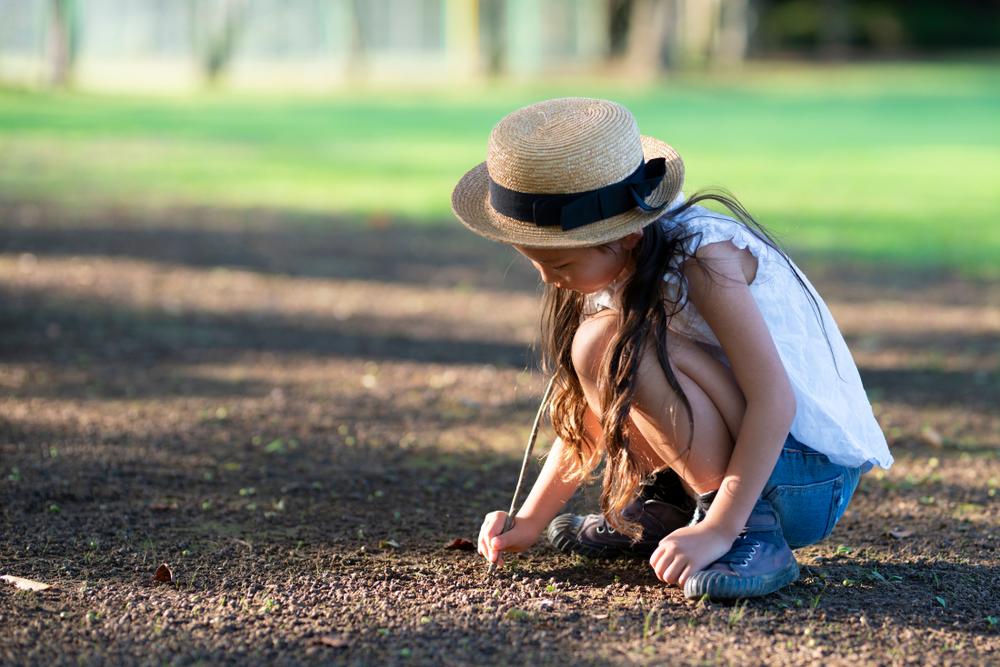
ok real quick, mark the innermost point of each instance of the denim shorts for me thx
(809, 492)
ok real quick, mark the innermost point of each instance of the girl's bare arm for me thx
(547, 497)
(722, 296)
(550, 491)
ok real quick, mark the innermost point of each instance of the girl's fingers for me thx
(684, 576)
(661, 559)
(660, 565)
(674, 571)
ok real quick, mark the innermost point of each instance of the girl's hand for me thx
(492, 544)
(688, 550)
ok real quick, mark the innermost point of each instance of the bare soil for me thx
(298, 414)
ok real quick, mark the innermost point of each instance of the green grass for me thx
(892, 163)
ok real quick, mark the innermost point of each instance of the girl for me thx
(689, 353)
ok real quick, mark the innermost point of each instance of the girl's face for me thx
(584, 270)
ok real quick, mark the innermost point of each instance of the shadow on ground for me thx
(301, 471)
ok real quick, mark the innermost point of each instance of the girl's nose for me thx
(548, 276)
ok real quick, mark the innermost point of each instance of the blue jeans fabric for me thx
(809, 493)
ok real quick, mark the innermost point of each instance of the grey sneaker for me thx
(759, 562)
(661, 508)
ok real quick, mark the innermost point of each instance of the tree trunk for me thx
(63, 41)
(835, 30)
(648, 31)
(218, 28)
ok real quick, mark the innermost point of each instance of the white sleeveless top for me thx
(833, 414)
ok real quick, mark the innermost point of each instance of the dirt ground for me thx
(297, 416)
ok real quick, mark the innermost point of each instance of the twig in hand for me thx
(509, 521)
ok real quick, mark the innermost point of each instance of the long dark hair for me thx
(646, 309)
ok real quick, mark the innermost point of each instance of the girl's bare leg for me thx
(717, 405)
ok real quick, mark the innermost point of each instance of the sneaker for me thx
(661, 508)
(759, 562)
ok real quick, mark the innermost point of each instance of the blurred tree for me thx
(357, 48)
(649, 25)
(679, 33)
(218, 25)
(835, 29)
(64, 40)
(492, 38)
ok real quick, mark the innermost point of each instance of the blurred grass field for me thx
(894, 162)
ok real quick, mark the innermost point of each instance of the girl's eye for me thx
(560, 267)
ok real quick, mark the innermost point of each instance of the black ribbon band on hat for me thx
(577, 209)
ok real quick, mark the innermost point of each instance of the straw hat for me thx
(568, 173)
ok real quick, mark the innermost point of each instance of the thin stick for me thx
(509, 521)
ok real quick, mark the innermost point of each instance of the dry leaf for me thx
(461, 544)
(163, 573)
(332, 641)
(900, 533)
(25, 584)
(162, 507)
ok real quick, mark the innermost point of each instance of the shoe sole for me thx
(721, 586)
(562, 535)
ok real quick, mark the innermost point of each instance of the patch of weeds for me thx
(405, 652)
(54, 508)
(248, 491)
(992, 621)
(875, 575)
(736, 614)
(551, 588)
(276, 446)
(268, 606)
(941, 601)
(648, 630)
(15, 475)
(382, 632)
(517, 615)
(424, 620)
(843, 550)
(927, 500)
(93, 617)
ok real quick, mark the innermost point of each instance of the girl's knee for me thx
(591, 341)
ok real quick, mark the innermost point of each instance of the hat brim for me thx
(470, 201)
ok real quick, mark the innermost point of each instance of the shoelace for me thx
(743, 551)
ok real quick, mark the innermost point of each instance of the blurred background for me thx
(865, 127)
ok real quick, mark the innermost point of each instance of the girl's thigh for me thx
(809, 493)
